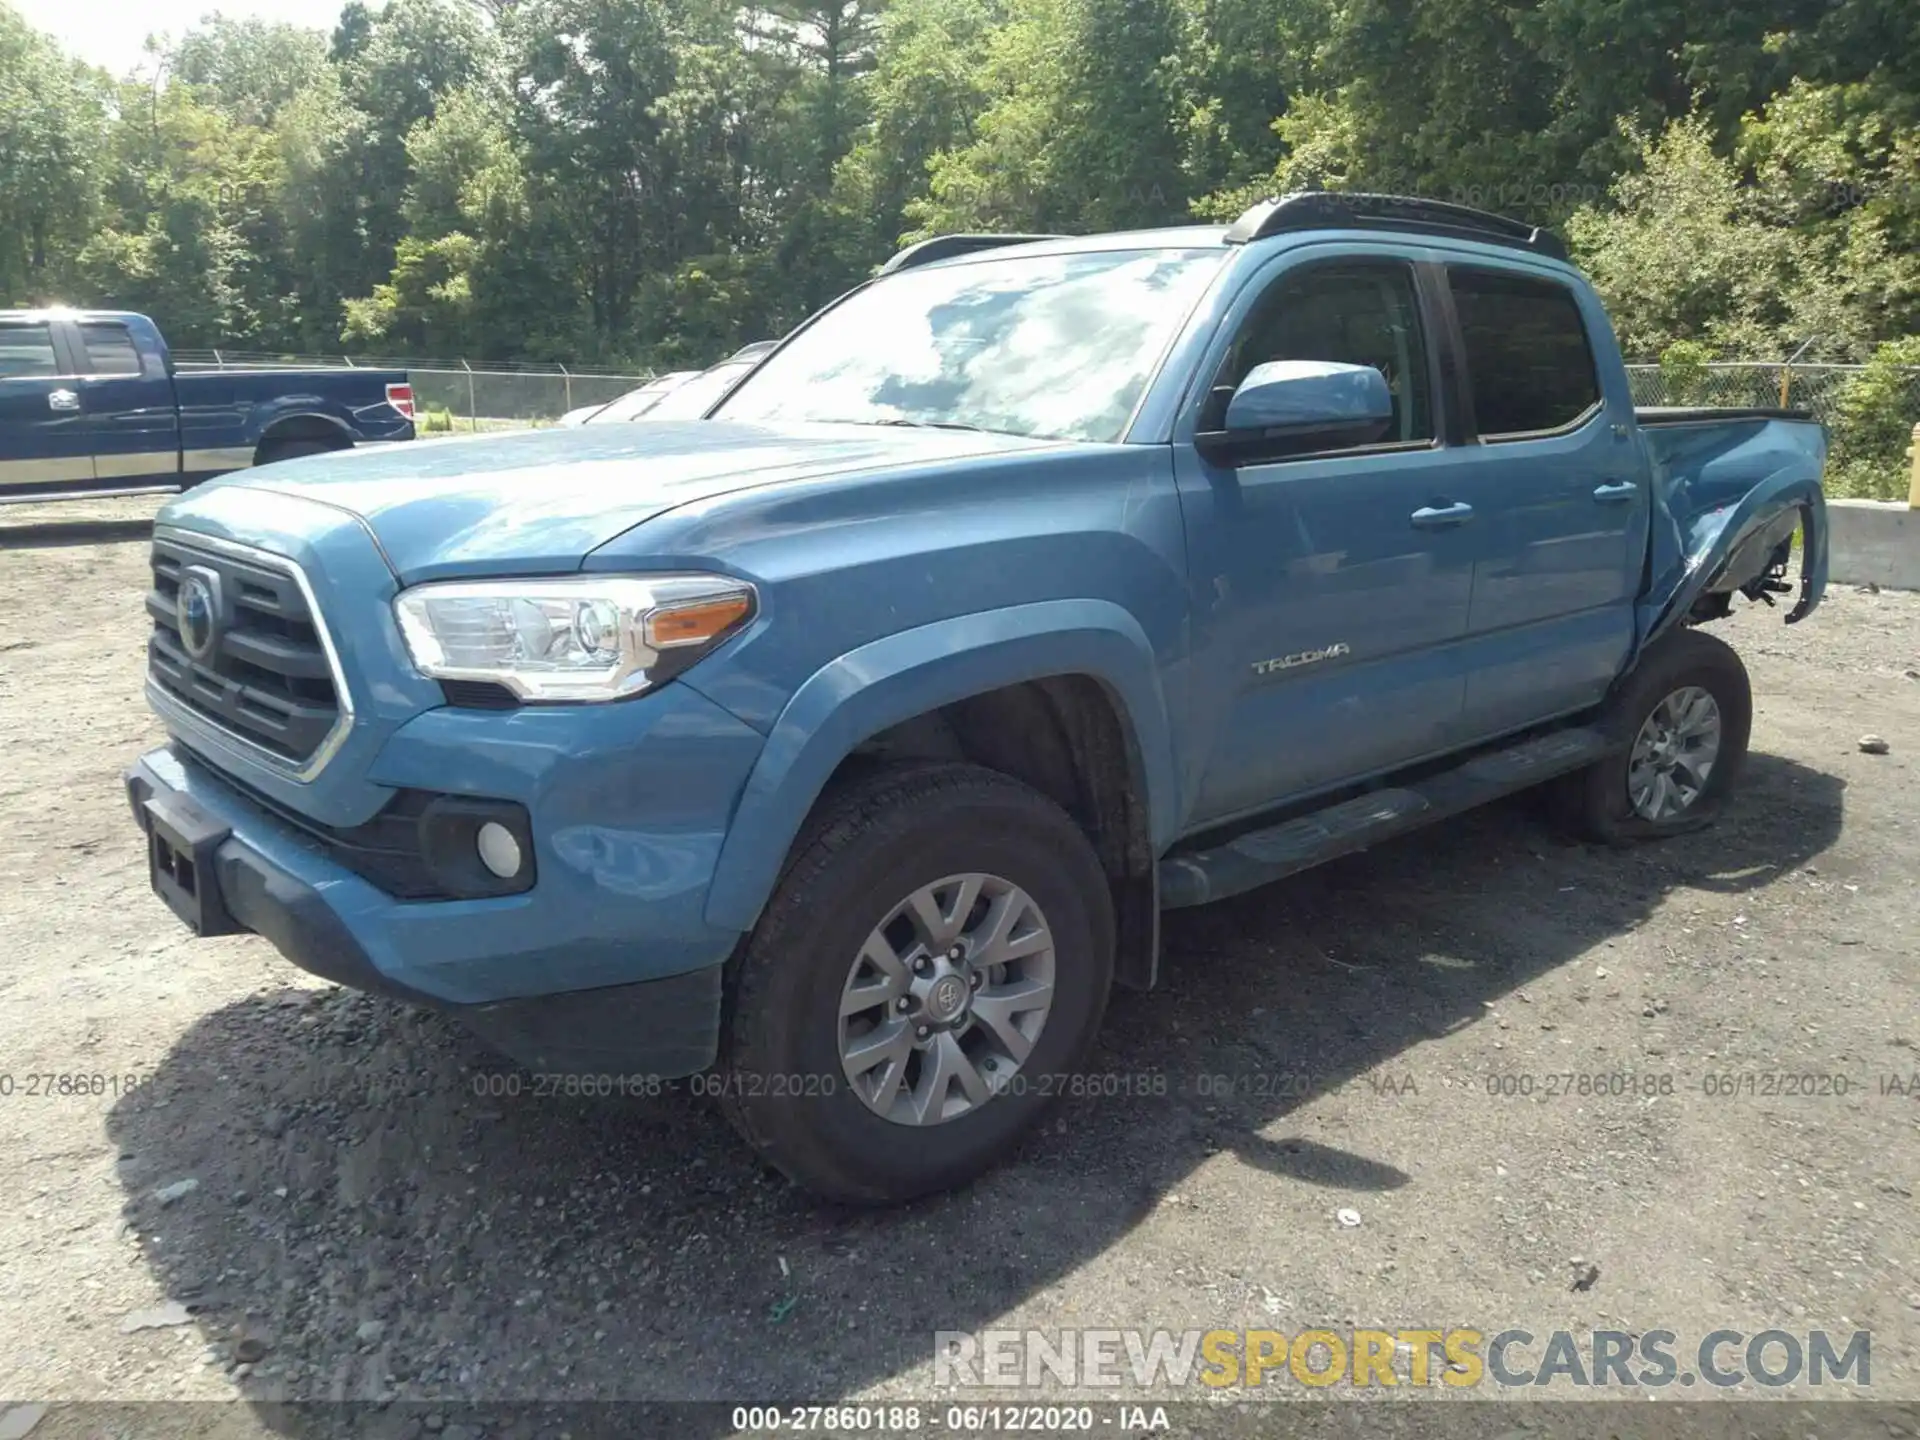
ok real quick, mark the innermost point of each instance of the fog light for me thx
(499, 851)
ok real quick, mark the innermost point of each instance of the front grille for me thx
(263, 675)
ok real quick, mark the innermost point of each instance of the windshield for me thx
(1055, 346)
(693, 399)
(635, 403)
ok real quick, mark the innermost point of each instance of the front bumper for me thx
(605, 966)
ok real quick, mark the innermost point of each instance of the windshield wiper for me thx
(922, 424)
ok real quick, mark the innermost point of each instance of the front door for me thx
(44, 445)
(1325, 590)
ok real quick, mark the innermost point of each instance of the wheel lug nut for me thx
(976, 979)
(955, 953)
(903, 1003)
(922, 1031)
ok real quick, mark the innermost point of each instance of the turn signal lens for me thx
(696, 624)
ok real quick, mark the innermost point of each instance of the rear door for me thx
(1560, 489)
(44, 444)
(127, 397)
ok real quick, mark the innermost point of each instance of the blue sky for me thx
(111, 32)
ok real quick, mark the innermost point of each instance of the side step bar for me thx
(1200, 876)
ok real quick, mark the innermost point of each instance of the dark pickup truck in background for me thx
(91, 404)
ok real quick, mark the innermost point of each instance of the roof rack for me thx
(1338, 210)
(945, 247)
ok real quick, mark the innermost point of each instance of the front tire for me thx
(1681, 724)
(936, 956)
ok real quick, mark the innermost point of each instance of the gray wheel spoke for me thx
(997, 1008)
(945, 1066)
(1691, 773)
(879, 954)
(940, 925)
(887, 1085)
(998, 943)
(964, 899)
(858, 999)
(927, 918)
(890, 1040)
(1696, 714)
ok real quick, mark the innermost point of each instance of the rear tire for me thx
(1681, 724)
(293, 449)
(870, 946)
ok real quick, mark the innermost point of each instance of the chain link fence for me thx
(1870, 412)
(451, 395)
(1761, 383)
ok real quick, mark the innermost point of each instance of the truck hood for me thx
(540, 501)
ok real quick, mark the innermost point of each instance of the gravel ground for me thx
(329, 1188)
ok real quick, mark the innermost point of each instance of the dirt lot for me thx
(366, 1224)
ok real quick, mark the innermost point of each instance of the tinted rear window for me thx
(1527, 353)
(110, 350)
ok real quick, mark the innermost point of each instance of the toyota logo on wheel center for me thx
(947, 998)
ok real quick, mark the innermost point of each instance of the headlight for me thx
(581, 638)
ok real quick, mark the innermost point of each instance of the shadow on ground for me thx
(383, 1218)
(45, 534)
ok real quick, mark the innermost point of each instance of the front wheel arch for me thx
(894, 680)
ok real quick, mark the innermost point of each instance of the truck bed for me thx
(1651, 415)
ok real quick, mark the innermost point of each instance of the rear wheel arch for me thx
(301, 435)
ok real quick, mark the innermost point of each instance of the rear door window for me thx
(26, 352)
(110, 350)
(1528, 360)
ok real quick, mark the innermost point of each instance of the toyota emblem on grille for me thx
(196, 610)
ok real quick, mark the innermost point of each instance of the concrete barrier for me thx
(1874, 542)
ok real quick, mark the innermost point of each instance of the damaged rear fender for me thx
(1708, 541)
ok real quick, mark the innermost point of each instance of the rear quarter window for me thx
(1528, 360)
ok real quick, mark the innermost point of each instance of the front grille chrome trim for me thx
(193, 725)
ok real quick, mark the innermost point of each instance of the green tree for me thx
(1873, 423)
(1083, 130)
(52, 159)
(249, 69)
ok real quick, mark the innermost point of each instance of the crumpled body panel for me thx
(1729, 492)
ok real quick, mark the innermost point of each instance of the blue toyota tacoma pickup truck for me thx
(844, 745)
(91, 404)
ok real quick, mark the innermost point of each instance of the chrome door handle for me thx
(62, 400)
(1439, 517)
(1614, 492)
